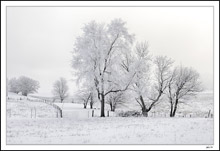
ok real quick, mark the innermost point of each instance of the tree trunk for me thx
(102, 104)
(113, 109)
(175, 108)
(91, 105)
(145, 113)
(91, 101)
(171, 109)
(111, 106)
(144, 109)
(84, 106)
(61, 100)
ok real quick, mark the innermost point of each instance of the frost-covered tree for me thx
(97, 57)
(183, 82)
(60, 89)
(13, 85)
(84, 97)
(162, 73)
(141, 66)
(86, 94)
(148, 88)
(115, 100)
(27, 85)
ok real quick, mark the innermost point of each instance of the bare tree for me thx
(115, 100)
(142, 85)
(60, 89)
(27, 85)
(84, 96)
(162, 74)
(92, 101)
(13, 85)
(183, 82)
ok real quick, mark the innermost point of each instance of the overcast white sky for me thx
(40, 39)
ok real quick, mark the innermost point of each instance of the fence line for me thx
(58, 109)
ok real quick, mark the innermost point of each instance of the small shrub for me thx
(129, 114)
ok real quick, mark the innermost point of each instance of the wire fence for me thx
(33, 110)
(49, 102)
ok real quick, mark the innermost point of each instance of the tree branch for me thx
(139, 102)
(121, 90)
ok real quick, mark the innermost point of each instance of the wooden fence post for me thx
(61, 114)
(92, 113)
(209, 113)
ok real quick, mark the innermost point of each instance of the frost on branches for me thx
(98, 54)
(110, 68)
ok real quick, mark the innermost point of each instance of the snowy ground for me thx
(27, 107)
(21, 107)
(111, 130)
(78, 127)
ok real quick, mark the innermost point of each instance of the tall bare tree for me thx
(162, 74)
(145, 99)
(60, 89)
(183, 82)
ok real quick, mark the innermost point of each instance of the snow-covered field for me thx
(21, 107)
(111, 130)
(77, 127)
(195, 106)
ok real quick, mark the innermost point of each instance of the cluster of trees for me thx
(26, 85)
(87, 97)
(110, 67)
(23, 84)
